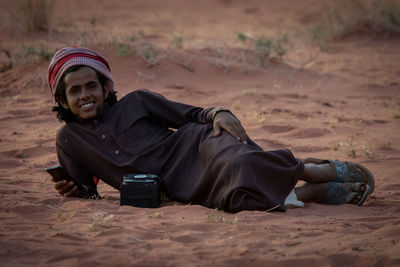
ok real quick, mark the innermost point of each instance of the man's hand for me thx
(67, 189)
(224, 120)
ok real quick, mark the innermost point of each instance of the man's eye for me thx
(92, 85)
(73, 90)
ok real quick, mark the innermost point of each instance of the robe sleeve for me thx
(173, 114)
(80, 174)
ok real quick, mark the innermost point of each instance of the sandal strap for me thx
(347, 172)
(336, 193)
(350, 193)
(341, 171)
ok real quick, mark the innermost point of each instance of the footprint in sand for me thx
(307, 149)
(188, 237)
(30, 152)
(270, 144)
(21, 113)
(278, 128)
(9, 163)
(309, 133)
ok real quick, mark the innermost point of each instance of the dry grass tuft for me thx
(151, 53)
(31, 15)
(385, 145)
(177, 41)
(9, 60)
(137, 44)
(6, 61)
(368, 152)
(218, 216)
(100, 220)
(155, 214)
(62, 216)
(262, 48)
(221, 56)
(350, 16)
(396, 111)
(349, 148)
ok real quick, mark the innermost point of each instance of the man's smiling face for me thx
(84, 93)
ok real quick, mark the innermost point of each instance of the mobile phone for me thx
(58, 173)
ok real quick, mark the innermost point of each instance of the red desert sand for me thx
(344, 103)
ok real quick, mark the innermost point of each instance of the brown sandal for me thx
(347, 193)
(347, 172)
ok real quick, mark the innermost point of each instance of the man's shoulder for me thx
(66, 132)
(63, 133)
(135, 94)
(66, 128)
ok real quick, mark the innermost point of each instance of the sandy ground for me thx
(344, 104)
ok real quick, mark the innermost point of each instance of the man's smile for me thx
(87, 105)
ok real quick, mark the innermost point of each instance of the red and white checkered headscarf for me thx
(67, 57)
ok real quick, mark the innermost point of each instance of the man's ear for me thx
(106, 92)
(62, 101)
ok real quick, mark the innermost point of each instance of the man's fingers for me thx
(60, 184)
(71, 192)
(238, 132)
(64, 189)
(233, 132)
(217, 130)
(242, 133)
(233, 127)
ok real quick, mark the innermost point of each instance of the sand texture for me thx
(343, 103)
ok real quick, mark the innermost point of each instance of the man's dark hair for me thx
(60, 95)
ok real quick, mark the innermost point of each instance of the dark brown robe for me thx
(134, 136)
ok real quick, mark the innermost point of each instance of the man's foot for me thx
(334, 193)
(347, 193)
(346, 172)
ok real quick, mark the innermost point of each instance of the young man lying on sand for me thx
(209, 159)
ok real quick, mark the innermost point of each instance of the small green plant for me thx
(124, 49)
(384, 16)
(137, 36)
(177, 41)
(93, 21)
(242, 37)
(344, 17)
(39, 52)
(150, 53)
(264, 48)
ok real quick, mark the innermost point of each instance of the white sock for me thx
(291, 201)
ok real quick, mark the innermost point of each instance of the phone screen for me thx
(58, 173)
